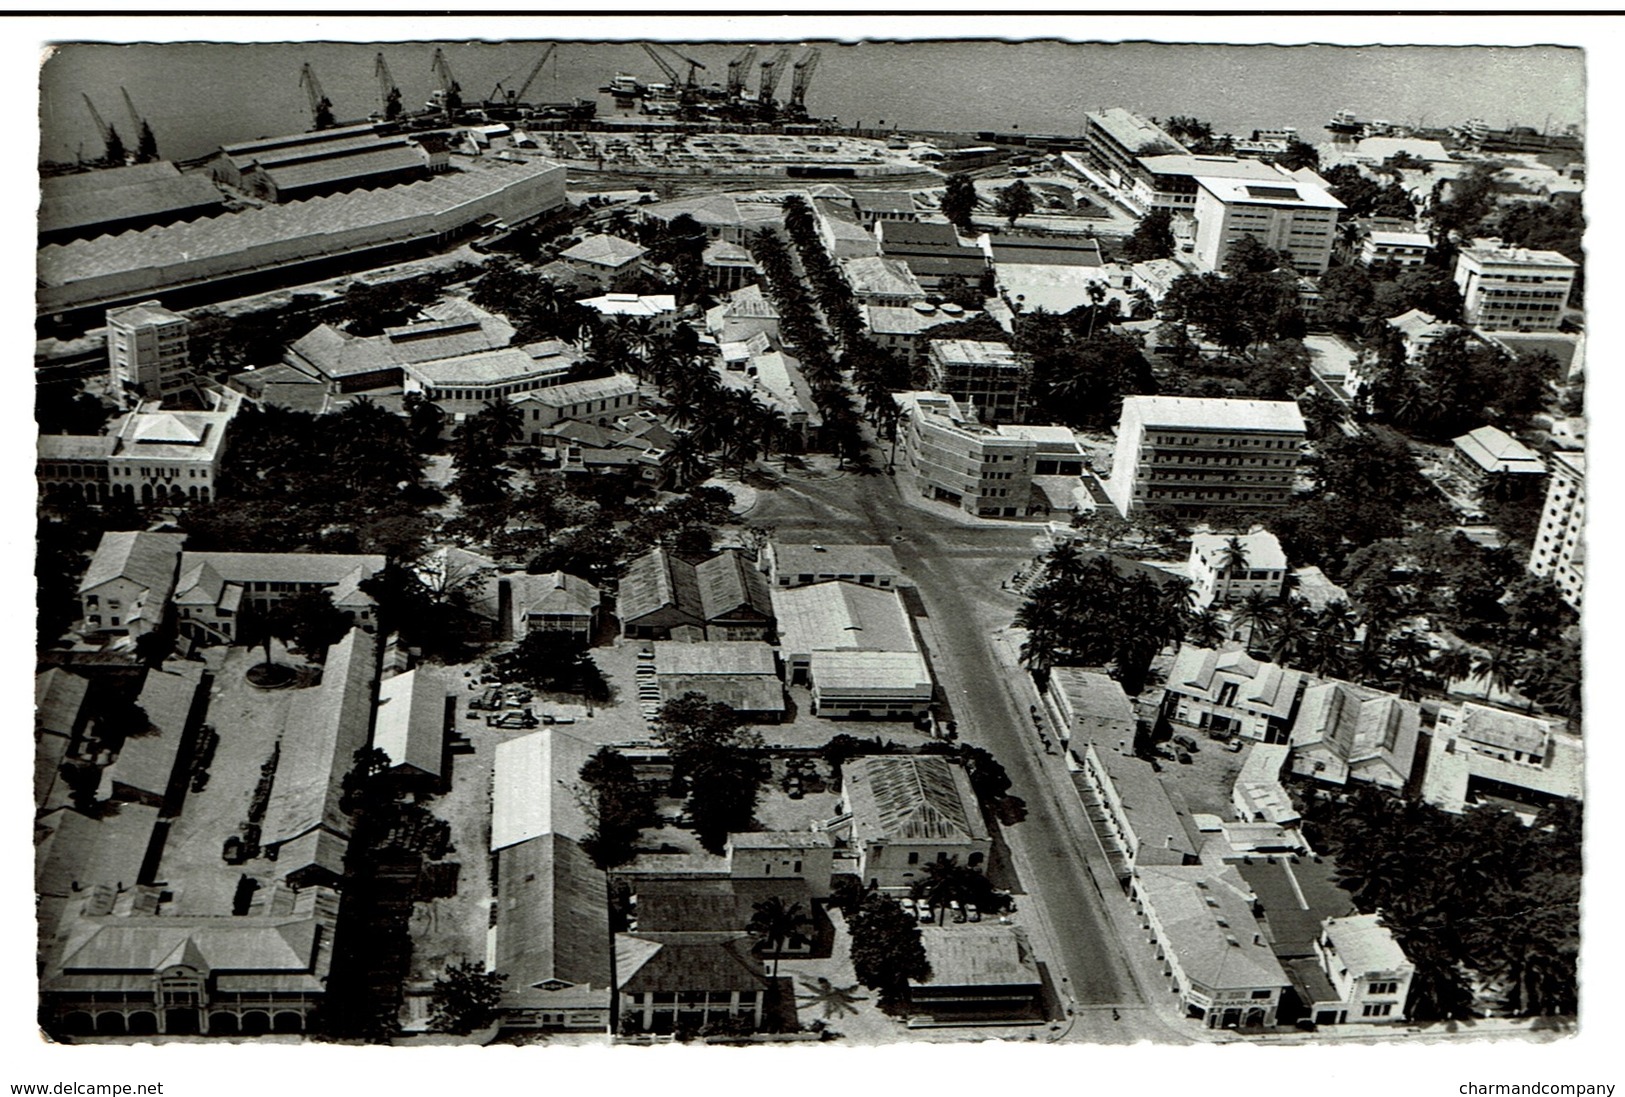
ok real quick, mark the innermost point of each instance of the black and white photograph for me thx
(802, 535)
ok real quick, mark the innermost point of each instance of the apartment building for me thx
(986, 374)
(1287, 215)
(1513, 289)
(1219, 574)
(1190, 453)
(147, 352)
(1559, 550)
(1114, 139)
(1169, 182)
(1394, 248)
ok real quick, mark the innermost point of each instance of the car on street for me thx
(908, 905)
(1187, 742)
(927, 915)
(972, 913)
(1184, 759)
(957, 910)
(1235, 746)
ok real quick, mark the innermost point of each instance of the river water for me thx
(198, 96)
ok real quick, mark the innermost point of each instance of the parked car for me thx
(957, 910)
(1187, 742)
(927, 915)
(1235, 746)
(908, 905)
(1184, 759)
(972, 913)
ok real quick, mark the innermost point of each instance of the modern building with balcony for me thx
(1513, 289)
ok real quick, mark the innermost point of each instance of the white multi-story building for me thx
(982, 470)
(1559, 550)
(1394, 248)
(1288, 215)
(150, 456)
(1513, 289)
(1215, 576)
(147, 351)
(1370, 972)
(1192, 452)
(1170, 182)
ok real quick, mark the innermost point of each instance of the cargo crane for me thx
(389, 92)
(673, 83)
(739, 72)
(772, 70)
(448, 97)
(798, 83)
(321, 107)
(507, 100)
(146, 145)
(111, 141)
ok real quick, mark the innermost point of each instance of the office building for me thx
(1513, 289)
(1191, 453)
(1288, 215)
(1559, 550)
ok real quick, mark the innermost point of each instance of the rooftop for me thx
(902, 797)
(140, 192)
(1206, 917)
(1364, 944)
(1295, 896)
(1263, 549)
(531, 787)
(604, 250)
(630, 304)
(974, 352)
(1494, 450)
(1133, 132)
(410, 723)
(149, 560)
(1285, 192)
(575, 392)
(1232, 167)
(986, 955)
(837, 616)
(1493, 251)
(875, 275)
(791, 559)
(491, 367)
(715, 658)
(1205, 413)
(356, 167)
(1093, 694)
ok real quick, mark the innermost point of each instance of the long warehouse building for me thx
(276, 245)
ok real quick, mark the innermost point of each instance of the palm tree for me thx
(1231, 558)
(1254, 613)
(1291, 632)
(776, 923)
(1452, 664)
(503, 421)
(1406, 652)
(1498, 666)
(1097, 294)
(1206, 629)
(939, 886)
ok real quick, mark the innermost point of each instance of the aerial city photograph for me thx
(711, 541)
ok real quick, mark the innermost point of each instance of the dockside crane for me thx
(772, 70)
(739, 73)
(389, 92)
(663, 66)
(111, 141)
(803, 76)
(146, 145)
(515, 99)
(448, 96)
(321, 107)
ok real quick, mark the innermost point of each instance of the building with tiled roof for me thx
(907, 811)
(149, 457)
(724, 598)
(688, 978)
(854, 647)
(1478, 753)
(554, 602)
(126, 588)
(745, 313)
(1346, 732)
(1231, 693)
(86, 205)
(606, 260)
(1257, 795)
(880, 282)
(215, 587)
(113, 971)
(305, 827)
(78, 855)
(1201, 923)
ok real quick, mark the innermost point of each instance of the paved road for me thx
(958, 570)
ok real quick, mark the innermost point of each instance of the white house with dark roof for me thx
(554, 602)
(1347, 732)
(1368, 969)
(126, 588)
(908, 811)
(1200, 921)
(1231, 693)
(215, 588)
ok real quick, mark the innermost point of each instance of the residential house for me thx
(1192, 453)
(1559, 548)
(854, 648)
(215, 588)
(723, 598)
(606, 261)
(1225, 693)
(126, 589)
(554, 602)
(1219, 574)
(683, 981)
(551, 930)
(659, 310)
(799, 565)
(1347, 732)
(306, 829)
(907, 811)
(1199, 919)
(1418, 331)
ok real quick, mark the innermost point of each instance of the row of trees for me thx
(1502, 925)
(1456, 384)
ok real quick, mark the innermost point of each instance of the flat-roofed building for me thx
(1168, 182)
(989, 375)
(1286, 215)
(659, 310)
(980, 974)
(1365, 965)
(1089, 706)
(1478, 754)
(854, 647)
(1224, 572)
(215, 588)
(1200, 920)
(1513, 289)
(953, 458)
(1294, 898)
(910, 810)
(1115, 139)
(1559, 548)
(147, 352)
(800, 565)
(1191, 453)
(1231, 693)
(1346, 732)
(1394, 248)
(806, 856)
